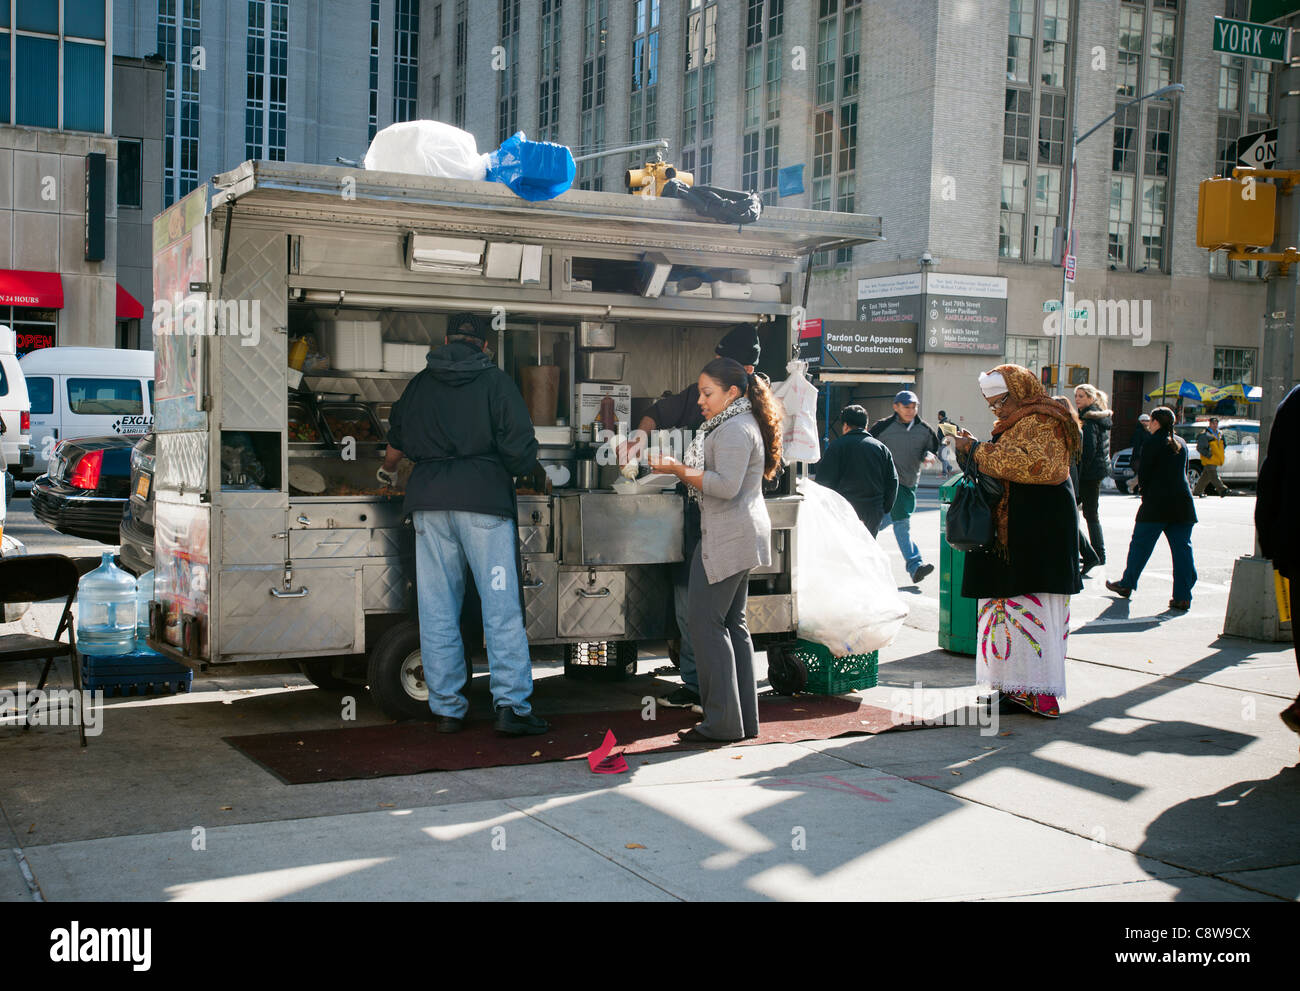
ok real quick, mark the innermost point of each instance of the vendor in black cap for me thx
(681, 412)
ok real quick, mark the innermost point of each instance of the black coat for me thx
(1277, 494)
(1094, 462)
(466, 427)
(861, 469)
(1162, 476)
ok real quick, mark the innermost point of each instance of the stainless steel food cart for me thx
(273, 537)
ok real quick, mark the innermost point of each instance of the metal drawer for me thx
(252, 536)
(783, 511)
(328, 543)
(534, 510)
(540, 596)
(344, 515)
(590, 605)
(770, 614)
(385, 587)
(325, 616)
(534, 539)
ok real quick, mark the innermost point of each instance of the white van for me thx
(15, 408)
(86, 392)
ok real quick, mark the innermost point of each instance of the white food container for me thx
(402, 357)
(353, 345)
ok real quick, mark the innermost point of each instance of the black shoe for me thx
(1120, 590)
(1083, 572)
(921, 573)
(682, 698)
(449, 724)
(511, 723)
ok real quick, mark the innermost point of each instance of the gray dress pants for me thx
(724, 654)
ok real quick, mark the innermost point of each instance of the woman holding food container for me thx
(737, 446)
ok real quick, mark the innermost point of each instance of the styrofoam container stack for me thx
(402, 357)
(353, 345)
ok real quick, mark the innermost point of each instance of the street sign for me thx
(1250, 40)
(1051, 305)
(1069, 268)
(1078, 314)
(1258, 150)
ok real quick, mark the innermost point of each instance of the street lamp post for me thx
(1068, 191)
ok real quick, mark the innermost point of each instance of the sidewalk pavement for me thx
(1168, 777)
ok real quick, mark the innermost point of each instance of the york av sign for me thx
(1250, 40)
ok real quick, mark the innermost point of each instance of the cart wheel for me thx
(396, 673)
(320, 672)
(620, 660)
(785, 671)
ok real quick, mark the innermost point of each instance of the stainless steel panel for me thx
(540, 596)
(328, 618)
(182, 462)
(335, 515)
(649, 601)
(390, 542)
(596, 335)
(590, 605)
(607, 528)
(385, 587)
(534, 510)
(770, 614)
(248, 536)
(777, 567)
(783, 511)
(253, 379)
(341, 543)
(601, 366)
(534, 539)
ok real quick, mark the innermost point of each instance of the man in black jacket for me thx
(466, 427)
(860, 468)
(913, 443)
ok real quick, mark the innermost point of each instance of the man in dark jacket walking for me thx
(466, 427)
(912, 442)
(1096, 420)
(860, 468)
(1277, 495)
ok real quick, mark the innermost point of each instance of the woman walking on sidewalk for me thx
(738, 446)
(1094, 461)
(1024, 580)
(1167, 508)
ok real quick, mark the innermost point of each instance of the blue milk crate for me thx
(141, 672)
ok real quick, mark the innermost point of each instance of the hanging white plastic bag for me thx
(799, 425)
(847, 597)
(426, 147)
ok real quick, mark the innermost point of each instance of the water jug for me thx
(106, 610)
(143, 593)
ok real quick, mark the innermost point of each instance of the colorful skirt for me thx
(1022, 642)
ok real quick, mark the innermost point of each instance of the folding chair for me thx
(35, 578)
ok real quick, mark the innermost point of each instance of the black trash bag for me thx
(728, 206)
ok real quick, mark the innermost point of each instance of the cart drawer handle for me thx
(303, 519)
(537, 584)
(281, 593)
(602, 594)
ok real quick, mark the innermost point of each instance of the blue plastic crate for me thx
(141, 672)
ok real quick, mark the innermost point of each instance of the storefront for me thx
(29, 304)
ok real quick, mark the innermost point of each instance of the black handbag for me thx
(970, 525)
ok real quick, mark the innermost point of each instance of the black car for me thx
(86, 487)
(136, 531)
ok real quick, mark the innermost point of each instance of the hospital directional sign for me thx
(1250, 40)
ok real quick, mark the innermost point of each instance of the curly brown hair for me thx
(766, 407)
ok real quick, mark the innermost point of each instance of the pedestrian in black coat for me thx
(1167, 508)
(860, 468)
(1276, 498)
(1094, 462)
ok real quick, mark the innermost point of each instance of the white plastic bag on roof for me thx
(847, 598)
(799, 426)
(426, 147)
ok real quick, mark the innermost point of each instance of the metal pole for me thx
(1165, 379)
(1068, 191)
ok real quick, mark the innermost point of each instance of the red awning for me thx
(128, 307)
(41, 289)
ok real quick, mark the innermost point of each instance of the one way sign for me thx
(1258, 150)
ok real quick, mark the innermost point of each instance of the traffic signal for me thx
(640, 181)
(1235, 213)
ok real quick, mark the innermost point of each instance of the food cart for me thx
(292, 311)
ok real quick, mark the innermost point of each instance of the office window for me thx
(372, 108)
(435, 86)
(1233, 365)
(763, 62)
(508, 77)
(462, 55)
(178, 29)
(1143, 138)
(591, 101)
(406, 56)
(548, 73)
(266, 109)
(437, 20)
(83, 18)
(39, 15)
(83, 87)
(1034, 353)
(4, 76)
(37, 79)
(643, 112)
(1034, 122)
(698, 108)
(128, 173)
(835, 119)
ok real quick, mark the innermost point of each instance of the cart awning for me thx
(40, 289)
(128, 307)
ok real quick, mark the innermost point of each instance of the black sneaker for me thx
(921, 573)
(511, 723)
(681, 698)
(448, 724)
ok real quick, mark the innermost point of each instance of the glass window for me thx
(1015, 135)
(83, 18)
(128, 173)
(83, 87)
(105, 396)
(39, 15)
(4, 78)
(37, 77)
(41, 392)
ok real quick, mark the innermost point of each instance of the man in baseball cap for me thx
(860, 468)
(912, 442)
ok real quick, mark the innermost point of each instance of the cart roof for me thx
(578, 215)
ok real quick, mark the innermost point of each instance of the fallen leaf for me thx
(958, 773)
(536, 753)
(388, 805)
(736, 756)
(800, 710)
(1007, 733)
(227, 808)
(634, 846)
(31, 828)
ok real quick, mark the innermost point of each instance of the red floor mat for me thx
(412, 748)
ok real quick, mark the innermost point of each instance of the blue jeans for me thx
(445, 541)
(903, 534)
(1143, 543)
(681, 605)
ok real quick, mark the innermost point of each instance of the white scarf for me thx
(694, 456)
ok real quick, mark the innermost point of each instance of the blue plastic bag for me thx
(534, 170)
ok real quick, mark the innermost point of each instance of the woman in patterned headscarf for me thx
(1025, 579)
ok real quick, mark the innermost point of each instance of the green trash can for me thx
(957, 627)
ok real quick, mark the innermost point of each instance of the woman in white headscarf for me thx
(1025, 579)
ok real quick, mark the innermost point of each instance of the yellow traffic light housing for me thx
(1235, 213)
(654, 175)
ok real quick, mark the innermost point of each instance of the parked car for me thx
(15, 411)
(1240, 454)
(87, 392)
(86, 488)
(136, 529)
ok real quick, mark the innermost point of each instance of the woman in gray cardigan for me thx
(738, 446)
